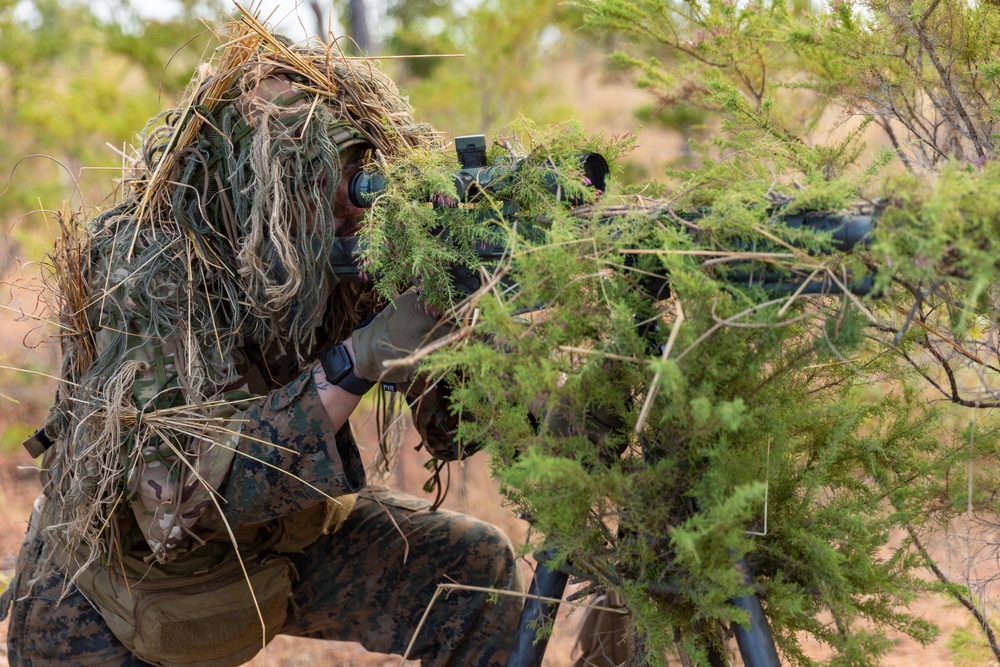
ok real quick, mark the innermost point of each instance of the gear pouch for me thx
(211, 615)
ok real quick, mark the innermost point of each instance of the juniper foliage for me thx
(909, 89)
(648, 434)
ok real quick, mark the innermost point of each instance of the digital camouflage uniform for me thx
(255, 447)
(370, 581)
(355, 585)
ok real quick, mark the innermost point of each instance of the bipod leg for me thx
(755, 642)
(527, 649)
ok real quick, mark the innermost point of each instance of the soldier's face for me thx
(346, 216)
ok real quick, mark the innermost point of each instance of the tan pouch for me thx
(297, 531)
(204, 618)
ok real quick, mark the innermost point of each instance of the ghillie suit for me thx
(194, 312)
(215, 258)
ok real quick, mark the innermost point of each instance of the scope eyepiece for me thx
(364, 186)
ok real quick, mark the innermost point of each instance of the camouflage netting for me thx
(219, 243)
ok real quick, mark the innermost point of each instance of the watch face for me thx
(336, 363)
(338, 368)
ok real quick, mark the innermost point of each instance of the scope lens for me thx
(364, 186)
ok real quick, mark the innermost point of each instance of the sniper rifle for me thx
(476, 176)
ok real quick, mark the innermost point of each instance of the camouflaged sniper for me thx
(216, 252)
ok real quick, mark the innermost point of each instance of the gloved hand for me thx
(600, 425)
(402, 327)
(434, 420)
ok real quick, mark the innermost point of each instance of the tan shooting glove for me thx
(402, 327)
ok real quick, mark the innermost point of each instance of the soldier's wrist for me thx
(340, 368)
(349, 348)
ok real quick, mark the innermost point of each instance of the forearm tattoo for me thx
(319, 377)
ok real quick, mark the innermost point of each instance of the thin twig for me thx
(654, 386)
(966, 353)
(798, 292)
(426, 350)
(921, 295)
(493, 591)
(721, 323)
(602, 354)
(709, 253)
(963, 600)
(412, 56)
(44, 375)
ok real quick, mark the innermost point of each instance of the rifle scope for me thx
(477, 175)
(847, 230)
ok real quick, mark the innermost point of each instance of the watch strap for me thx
(352, 384)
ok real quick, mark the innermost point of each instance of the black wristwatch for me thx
(339, 371)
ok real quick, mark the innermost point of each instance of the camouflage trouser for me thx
(365, 583)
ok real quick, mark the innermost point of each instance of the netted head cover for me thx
(249, 165)
(220, 241)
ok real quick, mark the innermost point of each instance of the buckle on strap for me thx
(38, 443)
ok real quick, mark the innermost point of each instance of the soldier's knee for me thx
(505, 567)
(492, 557)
